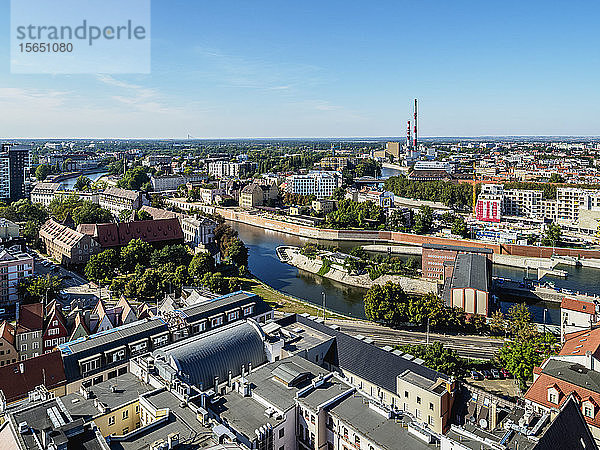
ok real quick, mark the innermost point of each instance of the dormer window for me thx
(553, 394)
(588, 411)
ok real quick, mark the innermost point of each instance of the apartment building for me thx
(220, 169)
(116, 200)
(30, 326)
(319, 184)
(8, 351)
(15, 266)
(15, 165)
(161, 183)
(66, 245)
(43, 192)
(577, 314)
(198, 231)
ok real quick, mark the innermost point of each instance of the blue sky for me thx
(330, 68)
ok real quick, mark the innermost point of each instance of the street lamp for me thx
(324, 300)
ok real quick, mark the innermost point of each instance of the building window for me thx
(248, 310)
(588, 411)
(418, 400)
(233, 316)
(431, 406)
(405, 394)
(125, 430)
(552, 398)
(126, 414)
(281, 433)
(357, 441)
(111, 420)
(418, 413)
(216, 321)
(430, 420)
(23, 347)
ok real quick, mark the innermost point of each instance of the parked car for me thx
(495, 374)
(505, 373)
(487, 374)
(476, 375)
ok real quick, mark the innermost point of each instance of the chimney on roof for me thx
(589, 360)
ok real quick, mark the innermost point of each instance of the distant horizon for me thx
(309, 138)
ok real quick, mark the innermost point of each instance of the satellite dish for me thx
(483, 423)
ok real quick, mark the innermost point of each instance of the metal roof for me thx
(215, 353)
(366, 360)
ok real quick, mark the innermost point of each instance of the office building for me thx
(319, 184)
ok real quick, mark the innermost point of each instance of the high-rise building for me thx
(14, 172)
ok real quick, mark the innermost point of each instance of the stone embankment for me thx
(292, 256)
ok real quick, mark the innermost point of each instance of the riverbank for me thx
(287, 225)
(286, 303)
(292, 256)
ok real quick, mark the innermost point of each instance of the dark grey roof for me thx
(215, 353)
(568, 430)
(127, 388)
(459, 248)
(288, 372)
(386, 433)
(470, 271)
(51, 414)
(107, 340)
(367, 360)
(573, 373)
(222, 304)
(183, 421)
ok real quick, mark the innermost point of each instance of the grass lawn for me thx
(283, 302)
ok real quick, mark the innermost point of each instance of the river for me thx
(69, 183)
(349, 300)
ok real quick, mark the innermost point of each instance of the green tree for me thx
(42, 171)
(437, 357)
(215, 282)
(556, 178)
(39, 288)
(83, 183)
(89, 212)
(177, 254)
(520, 324)
(101, 267)
(140, 214)
(552, 236)
(64, 206)
(201, 263)
(118, 284)
(125, 215)
(134, 178)
(423, 220)
(182, 276)
(237, 252)
(459, 227)
(497, 322)
(136, 252)
(387, 303)
(520, 356)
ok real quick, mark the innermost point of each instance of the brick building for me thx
(435, 255)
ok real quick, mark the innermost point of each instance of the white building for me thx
(320, 184)
(434, 165)
(198, 231)
(222, 169)
(163, 183)
(43, 192)
(577, 314)
(116, 200)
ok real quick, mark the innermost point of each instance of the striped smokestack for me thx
(415, 133)
(408, 134)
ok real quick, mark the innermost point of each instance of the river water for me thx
(69, 183)
(263, 263)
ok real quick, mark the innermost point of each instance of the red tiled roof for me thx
(7, 331)
(119, 234)
(17, 379)
(580, 342)
(31, 318)
(538, 393)
(574, 304)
